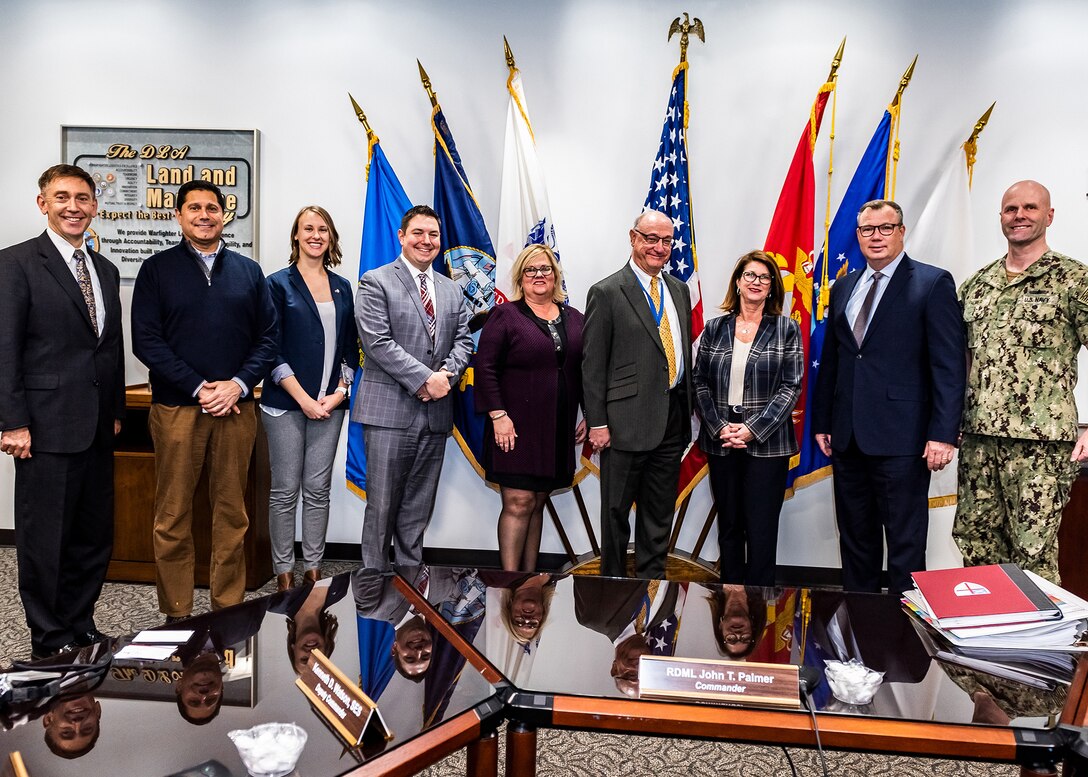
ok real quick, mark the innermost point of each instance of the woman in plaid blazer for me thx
(747, 379)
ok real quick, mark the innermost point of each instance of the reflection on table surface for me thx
(584, 636)
(238, 670)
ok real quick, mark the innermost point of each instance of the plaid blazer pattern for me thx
(772, 384)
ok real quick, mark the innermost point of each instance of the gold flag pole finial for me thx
(837, 60)
(509, 54)
(904, 82)
(892, 167)
(427, 84)
(692, 25)
(970, 147)
(361, 117)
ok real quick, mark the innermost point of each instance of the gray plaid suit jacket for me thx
(398, 355)
(772, 384)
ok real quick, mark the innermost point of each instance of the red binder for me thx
(981, 596)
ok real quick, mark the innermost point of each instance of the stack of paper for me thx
(1033, 643)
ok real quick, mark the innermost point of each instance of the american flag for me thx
(669, 193)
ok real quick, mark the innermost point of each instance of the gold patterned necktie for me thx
(663, 329)
(83, 278)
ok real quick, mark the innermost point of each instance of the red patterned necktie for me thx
(428, 306)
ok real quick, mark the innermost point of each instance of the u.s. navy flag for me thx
(790, 242)
(845, 256)
(386, 203)
(467, 257)
(669, 193)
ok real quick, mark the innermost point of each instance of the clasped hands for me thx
(436, 386)
(735, 436)
(220, 397)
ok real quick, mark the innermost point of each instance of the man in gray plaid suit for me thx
(416, 344)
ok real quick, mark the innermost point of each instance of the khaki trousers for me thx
(186, 441)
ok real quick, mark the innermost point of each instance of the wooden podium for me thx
(133, 558)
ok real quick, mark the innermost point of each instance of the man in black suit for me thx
(62, 395)
(636, 374)
(888, 399)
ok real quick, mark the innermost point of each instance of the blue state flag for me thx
(468, 257)
(845, 257)
(386, 203)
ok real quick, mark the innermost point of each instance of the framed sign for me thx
(137, 174)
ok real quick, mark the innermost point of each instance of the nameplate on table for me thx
(349, 711)
(708, 680)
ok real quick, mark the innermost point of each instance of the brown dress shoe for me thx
(284, 581)
(312, 575)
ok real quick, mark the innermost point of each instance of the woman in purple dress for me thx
(528, 379)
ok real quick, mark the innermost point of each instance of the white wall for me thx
(596, 75)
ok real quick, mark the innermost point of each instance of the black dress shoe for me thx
(91, 637)
(39, 655)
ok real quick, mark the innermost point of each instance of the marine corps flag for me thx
(790, 241)
(840, 256)
(386, 203)
(468, 257)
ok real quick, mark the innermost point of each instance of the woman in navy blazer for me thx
(305, 400)
(528, 379)
(747, 380)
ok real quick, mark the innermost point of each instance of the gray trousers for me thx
(300, 455)
(403, 466)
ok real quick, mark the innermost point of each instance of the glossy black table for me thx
(569, 646)
(449, 653)
(167, 717)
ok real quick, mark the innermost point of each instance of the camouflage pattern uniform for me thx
(1020, 418)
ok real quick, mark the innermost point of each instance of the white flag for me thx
(524, 215)
(944, 237)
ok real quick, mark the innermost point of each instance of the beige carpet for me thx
(127, 608)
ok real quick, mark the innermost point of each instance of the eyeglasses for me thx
(752, 277)
(737, 639)
(885, 229)
(544, 269)
(526, 623)
(655, 239)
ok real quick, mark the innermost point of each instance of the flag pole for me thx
(371, 137)
(971, 146)
(831, 83)
(893, 151)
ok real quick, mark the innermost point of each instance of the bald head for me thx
(1025, 215)
(651, 241)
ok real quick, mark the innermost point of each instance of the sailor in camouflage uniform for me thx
(1027, 318)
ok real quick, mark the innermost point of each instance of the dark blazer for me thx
(516, 371)
(772, 384)
(625, 375)
(301, 342)
(57, 377)
(905, 384)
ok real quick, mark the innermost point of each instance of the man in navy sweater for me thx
(204, 324)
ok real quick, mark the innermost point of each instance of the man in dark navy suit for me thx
(888, 399)
(62, 395)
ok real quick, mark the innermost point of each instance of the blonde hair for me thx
(558, 295)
